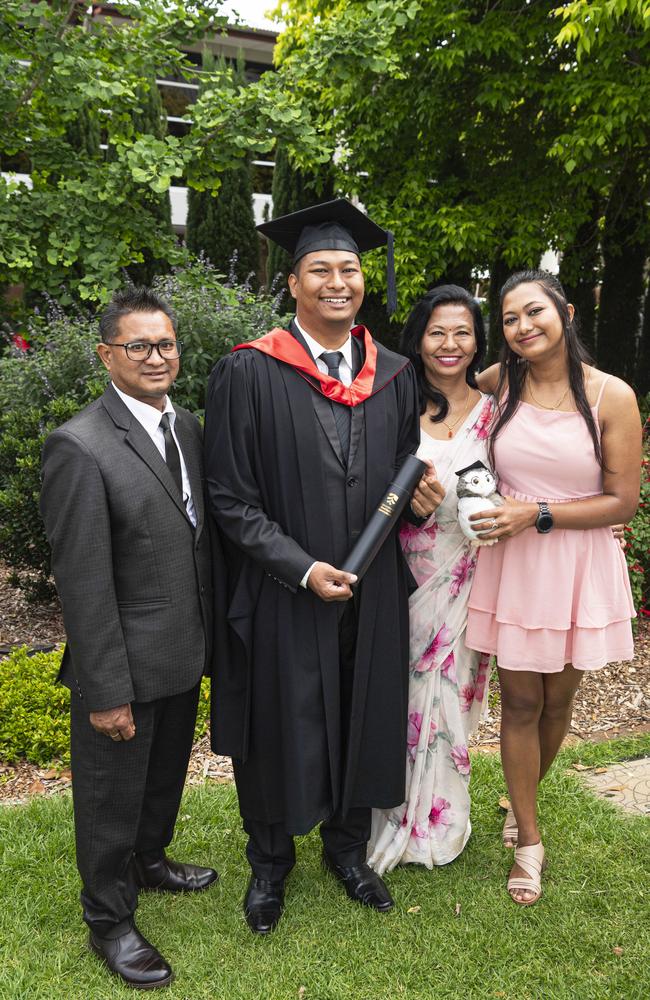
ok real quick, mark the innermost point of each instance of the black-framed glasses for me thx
(141, 350)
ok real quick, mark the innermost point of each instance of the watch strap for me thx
(544, 521)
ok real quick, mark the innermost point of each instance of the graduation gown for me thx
(276, 701)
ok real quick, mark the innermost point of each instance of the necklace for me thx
(543, 405)
(450, 427)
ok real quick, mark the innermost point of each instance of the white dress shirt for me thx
(345, 371)
(149, 417)
(345, 367)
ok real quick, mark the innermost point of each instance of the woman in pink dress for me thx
(553, 598)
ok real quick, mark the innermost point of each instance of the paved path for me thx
(627, 784)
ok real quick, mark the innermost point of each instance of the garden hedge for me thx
(34, 710)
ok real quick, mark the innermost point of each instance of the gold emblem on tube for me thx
(387, 506)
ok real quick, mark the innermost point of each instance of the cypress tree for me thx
(200, 224)
(150, 119)
(83, 133)
(223, 226)
(292, 190)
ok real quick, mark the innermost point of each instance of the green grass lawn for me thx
(596, 899)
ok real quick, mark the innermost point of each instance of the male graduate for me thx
(304, 430)
(124, 513)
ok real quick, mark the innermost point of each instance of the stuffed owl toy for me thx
(477, 491)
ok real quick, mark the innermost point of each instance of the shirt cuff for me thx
(303, 582)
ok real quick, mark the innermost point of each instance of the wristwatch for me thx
(544, 521)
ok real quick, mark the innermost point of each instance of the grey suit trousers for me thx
(126, 798)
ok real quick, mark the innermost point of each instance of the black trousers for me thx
(126, 798)
(270, 849)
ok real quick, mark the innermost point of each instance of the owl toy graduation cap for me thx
(477, 491)
(474, 466)
(333, 225)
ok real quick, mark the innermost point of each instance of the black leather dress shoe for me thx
(361, 884)
(165, 875)
(263, 905)
(133, 959)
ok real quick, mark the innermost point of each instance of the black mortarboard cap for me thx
(474, 465)
(333, 225)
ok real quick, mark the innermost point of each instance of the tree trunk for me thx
(498, 274)
(642, 380)
(458, 273)
(625, 251)
(579, 276)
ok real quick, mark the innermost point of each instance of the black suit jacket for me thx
(134, 576)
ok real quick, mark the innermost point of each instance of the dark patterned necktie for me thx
(342, 413)
(172, 455)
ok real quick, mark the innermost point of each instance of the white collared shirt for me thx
(149, 418)
(345, 368)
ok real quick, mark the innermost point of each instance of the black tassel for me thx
(391, 286)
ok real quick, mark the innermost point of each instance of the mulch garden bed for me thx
(611, 702)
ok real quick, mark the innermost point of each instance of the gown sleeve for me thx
(233, 492)
(408, 440)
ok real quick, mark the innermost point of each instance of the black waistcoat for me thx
(345, 475)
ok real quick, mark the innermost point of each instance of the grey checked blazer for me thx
(133, 575)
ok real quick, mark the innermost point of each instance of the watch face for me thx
(544, 522)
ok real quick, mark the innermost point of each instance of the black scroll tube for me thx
(382, 521)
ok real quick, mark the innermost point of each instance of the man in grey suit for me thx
(123, 507)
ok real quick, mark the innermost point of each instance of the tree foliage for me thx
(84, 217)
(484, 133)
(425, 104)
(604, 102)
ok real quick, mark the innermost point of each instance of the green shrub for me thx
(637, 552)
(203, 713)
(213, 316)
(61, 373)
(35, 711)
(39, 390)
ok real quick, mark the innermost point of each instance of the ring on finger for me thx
(116, 736)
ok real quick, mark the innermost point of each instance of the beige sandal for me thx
(531, 860)
(510, 830)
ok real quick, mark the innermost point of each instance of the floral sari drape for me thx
(448, 682)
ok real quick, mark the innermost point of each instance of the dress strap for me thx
(602, 389)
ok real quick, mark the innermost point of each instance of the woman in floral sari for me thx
(444, 338)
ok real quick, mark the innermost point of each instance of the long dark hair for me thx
(413, 331)
(514, 369)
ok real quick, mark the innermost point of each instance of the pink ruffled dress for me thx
(540, 601)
